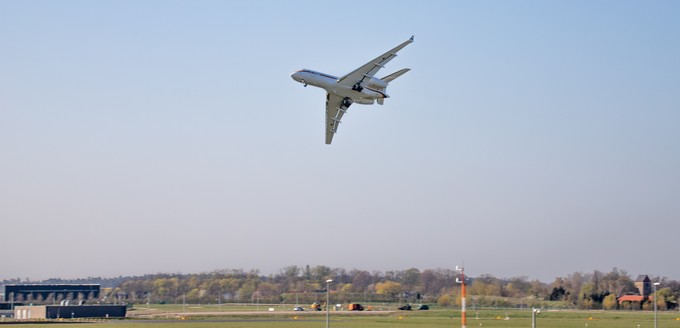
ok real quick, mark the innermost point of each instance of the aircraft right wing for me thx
(335, 108)
(369, 69)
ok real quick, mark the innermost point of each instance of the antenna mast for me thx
(461, 281)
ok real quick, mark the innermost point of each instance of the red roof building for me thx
(635, 298)
(631, 298)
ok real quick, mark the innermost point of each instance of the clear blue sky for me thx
(530, 138)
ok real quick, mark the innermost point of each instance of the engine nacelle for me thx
(364, 101)
(377, 83)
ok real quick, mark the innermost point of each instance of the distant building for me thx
(69, 312)
(631, 298)
(644, 285)
(52, 293)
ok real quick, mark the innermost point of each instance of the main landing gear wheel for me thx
(346, 101)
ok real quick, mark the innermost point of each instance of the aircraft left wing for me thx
(335, 108)
(367, 71)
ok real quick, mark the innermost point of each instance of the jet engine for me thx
(377, 83)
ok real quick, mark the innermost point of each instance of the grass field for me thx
(281, 317)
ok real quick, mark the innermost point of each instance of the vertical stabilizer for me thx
(395, 75)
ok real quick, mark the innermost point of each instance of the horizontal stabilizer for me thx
(395, 75)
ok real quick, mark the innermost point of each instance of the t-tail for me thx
(390, 78)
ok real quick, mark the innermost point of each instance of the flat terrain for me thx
(283, 317)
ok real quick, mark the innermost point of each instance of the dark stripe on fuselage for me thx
(317, 73)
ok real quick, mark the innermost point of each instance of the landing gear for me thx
(357, 87)
(303, 83)
(347, 101)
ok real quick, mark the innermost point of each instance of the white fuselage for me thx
(367, 96)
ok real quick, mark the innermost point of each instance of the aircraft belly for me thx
(342, 91)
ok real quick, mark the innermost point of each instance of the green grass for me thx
(399, 319)
(237, 307)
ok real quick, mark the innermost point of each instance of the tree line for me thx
(305, 285)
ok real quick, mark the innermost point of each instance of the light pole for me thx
(656, 318)
(534, 312)
(328, 298)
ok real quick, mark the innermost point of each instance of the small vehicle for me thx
(406, 307)
(316, 306)
(355, 307)
(298, 308)
(423, 307)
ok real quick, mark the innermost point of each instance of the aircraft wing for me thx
(369, 69)
(334, 111)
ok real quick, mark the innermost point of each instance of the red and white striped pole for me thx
(461, 281)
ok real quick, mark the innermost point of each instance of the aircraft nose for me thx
(295, 76)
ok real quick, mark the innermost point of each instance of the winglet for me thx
(411, 39)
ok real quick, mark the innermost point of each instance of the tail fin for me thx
(389, 79)
(395, 75)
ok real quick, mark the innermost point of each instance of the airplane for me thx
(359, 86)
